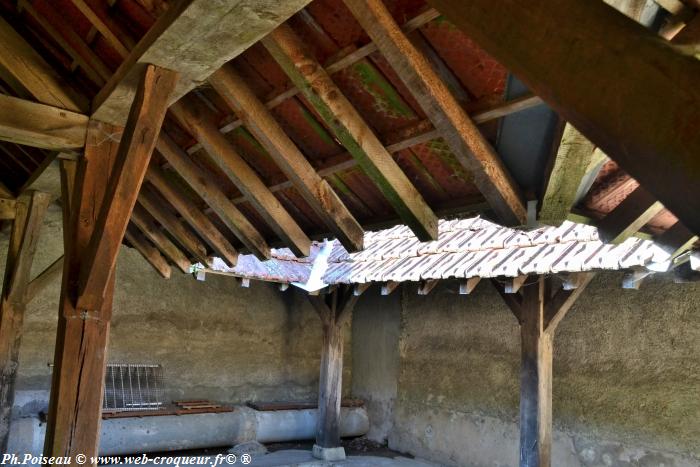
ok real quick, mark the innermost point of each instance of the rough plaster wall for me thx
(626, 377)
(375, 330)
(215, 339)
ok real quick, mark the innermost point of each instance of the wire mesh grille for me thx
(133, 387)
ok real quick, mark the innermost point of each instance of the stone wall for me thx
(626, 375)
(215, 339)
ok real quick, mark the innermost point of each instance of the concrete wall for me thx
(214, 339)
(626, 375)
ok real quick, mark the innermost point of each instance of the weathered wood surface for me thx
(149, 252)
(7, 209)
(135, 149)
(629, 216)
(657, 147)
(676, 239)
(351, 130)
(20, 256)
(141, 219)
(198, 121)
(30, 77)
(40, 125)
(193, 216)
(81, 339)
(215, 198)
(44, 278)
(194, 38)
(315, 190)
(447, 115)
(99, 24)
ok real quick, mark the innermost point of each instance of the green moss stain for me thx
(319, 129)
(386, 99)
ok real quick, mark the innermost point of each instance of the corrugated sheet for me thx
(465, 248)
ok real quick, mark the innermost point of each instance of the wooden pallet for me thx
(177, 408)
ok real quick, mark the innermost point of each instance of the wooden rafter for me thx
(352, 131)
(142, 220)
(30, 76)
(195, 49)
(99, 24)
(194, 217)
(13, 302)
(215, 198)
(197, 120)
(616, 118)
(629, 216)
(135, 149)
(676, 239)
(461, 134)
(315, 190)
(40, 125)
(149, 252)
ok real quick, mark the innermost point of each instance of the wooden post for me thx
(29, 217)
(81, 340)
(334, 309)
(538, 312)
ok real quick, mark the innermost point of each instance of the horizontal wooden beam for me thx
(194, 38)
(654, 136)
(461, 134)
(315, 190)
(351, 130)
(40, 125)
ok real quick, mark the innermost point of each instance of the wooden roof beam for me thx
(658, 148)
(194, 38)
(141, 219)
(197, 120)
(676, 240)
(99, 24)
(215, 198)
(30, 76)
(134, 154)
(41, 126)
(351, 130)
(315, 190)
(629, 216)
(149, 252)
(461, 134)
(196, 218)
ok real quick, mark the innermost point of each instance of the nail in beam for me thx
(29, 217)
(334, 309)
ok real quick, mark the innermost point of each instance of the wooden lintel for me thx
(351, 130)
(215, 198)
(149, 252)
(389, 286)
(196, 119)
(461, 134)
(659, 149)
(44, 278)
(467, 286)
(134, 154)
(315, 190)
(40, 125)
(629, 216)
(426, 286)
(13, 302)
(193, 215)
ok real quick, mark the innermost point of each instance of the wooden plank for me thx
(535, 380)
(616, 118)
(203, 184)
(30, 76)
(194, 38)
(101, 27)
(676, 239)
(7, 209)
(193, 116)
(149, 252)
(135, 149)
(196, 218)
(173, 225)
(41, 126)
(44, 278)
(141, 219)
(351, 130)
(629, 216)
(22, 247)
(468, 145)
(467, 286)
(315, 190)
(82, 334)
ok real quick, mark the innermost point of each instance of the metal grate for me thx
(133, 387)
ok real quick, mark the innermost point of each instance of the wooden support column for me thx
(29, 217)
(334, 309)
(538, 313)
